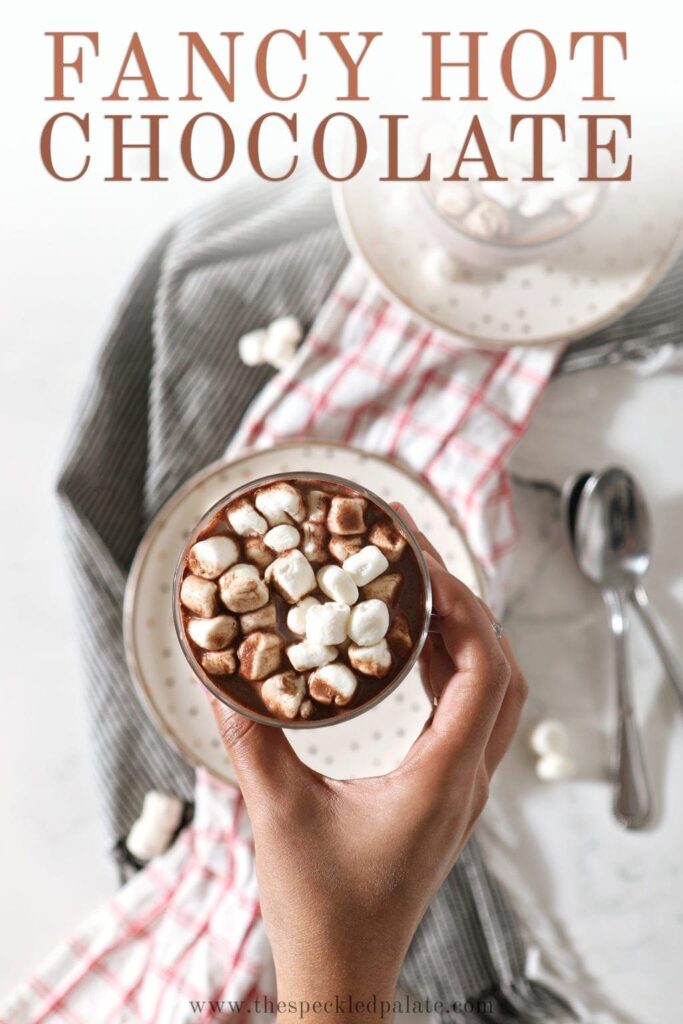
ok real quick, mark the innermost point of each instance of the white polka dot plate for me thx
(371, 744)
(586, 279)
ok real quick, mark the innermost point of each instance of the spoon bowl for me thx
(612, 529)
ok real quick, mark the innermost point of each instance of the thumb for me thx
(261, 755)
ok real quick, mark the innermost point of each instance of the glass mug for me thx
(346, 488)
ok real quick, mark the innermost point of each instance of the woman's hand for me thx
(346, 869)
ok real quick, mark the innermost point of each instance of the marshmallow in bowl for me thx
(368, 622)
(332, 684)
(282, 538)
(242, 589)
(399, 636)
(282, 694)
(347, 515)
(199, 596)
(292, 575)
(280, 503)
(327, 623)
(296, 616)
(388, 539)
(212, 634)
(307, 655)
(212, 556)
(315, 542)
(262, 618)
(342, 548)
(245, 520)
(219, 663)
(256, 551)
(259, 655)
(318, 506)
(337, 584)
(385, 587)
(366, 566)
(374, 660)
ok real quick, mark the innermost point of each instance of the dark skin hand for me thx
(347, 869)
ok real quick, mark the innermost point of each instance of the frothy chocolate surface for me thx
(301, 600)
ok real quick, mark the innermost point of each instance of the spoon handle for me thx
(659, 638)
(632, 800)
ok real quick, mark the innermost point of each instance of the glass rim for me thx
(291, 477)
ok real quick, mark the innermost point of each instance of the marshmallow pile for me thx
(299, 598)
(275, 344)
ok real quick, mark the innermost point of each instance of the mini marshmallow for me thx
(151, 834)
(368, 622)
(440, 265)
(259, 655)
(279, 352)
(318, 504)
(549, 737)
(454, 198)
(242, 589)
(346, 515)
(262, 618)
(388, 539)
(245, 520)
(399, 636)
(212, 634)
(200, 596)
(555, 768)
(366, 566)
(307, 708)
(296, 616)
(333, 683)
(292, 575)
(280, 503)
(307, 655)
(211, 557)
(374, 660)
(219, 663)
(337, 584)
(385, 587)
(315, 542)
(283, 694)
(282, 538)
(256, 551)
(486, 221)
(251, 348)
(327, 623)
(342, 548)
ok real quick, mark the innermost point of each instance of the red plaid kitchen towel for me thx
(370, 375)
(182, 941)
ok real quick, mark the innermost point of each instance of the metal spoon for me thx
(599, 511)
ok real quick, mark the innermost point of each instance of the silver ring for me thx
(497, 629)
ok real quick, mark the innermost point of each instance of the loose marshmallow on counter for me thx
(282, 339)
(327, 623)
(385, 587)
(242, 589)
(282, 538)
(368, 622)
(399, 637)
(219, 663)
(334, 683)
(337, 584)
(211, 557)
(283, 694)
(388, 539)
(245, 520)
(259, 655)
(346, 515)
(280, 503)
(200, 596)
(296, 616)
(262, 618)
(256, 551)
(307, 655)
(342, 548)
(318, 503)
(549, 737)
(315, 542)
(366, 566)
(212, 634)
(555, 768)
(251, 348)
(151, 834)
(374, 660)
(292, 575)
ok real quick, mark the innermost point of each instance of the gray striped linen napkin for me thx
(166, 395)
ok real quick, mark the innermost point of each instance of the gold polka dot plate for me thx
(584, 280)
(372, 744)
